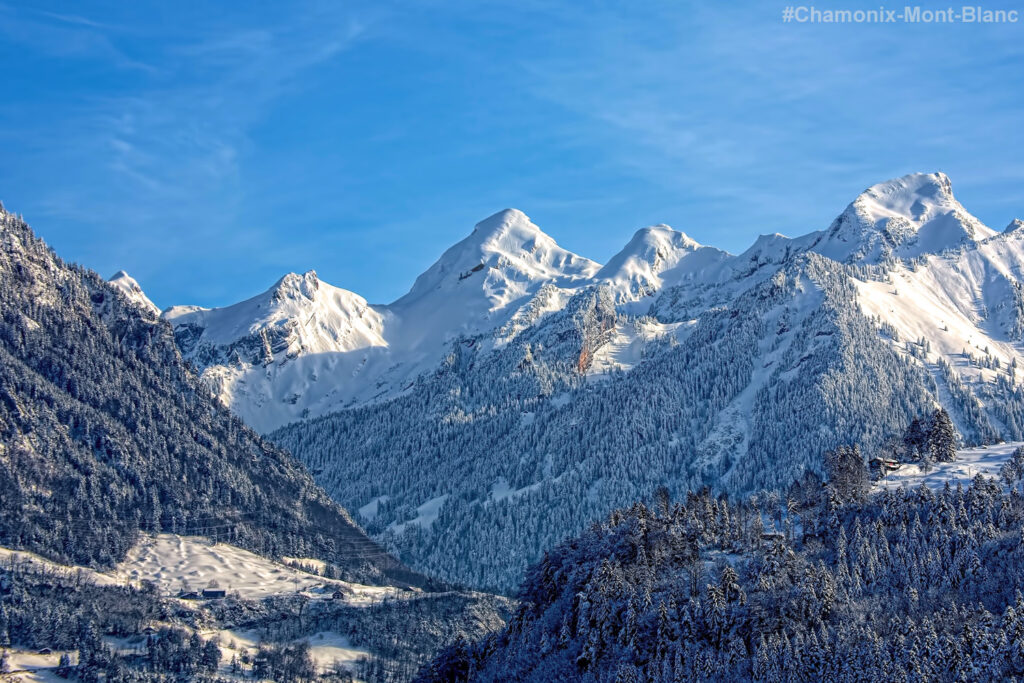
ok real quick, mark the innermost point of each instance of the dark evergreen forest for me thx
(104, 431)
(828, 583)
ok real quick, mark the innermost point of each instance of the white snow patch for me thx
(426, 514)
(969, 463)
(919, 304)
(7, 556)
(176, 562)
(629, 341)
(328, 650)
(27, 665)
(561, 400)
(502, 490)
(371, 509)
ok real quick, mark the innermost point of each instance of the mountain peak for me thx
(654, 234)
(906, 217)
(657, 256)
(923, 184)
(502, 221)
(507, 242)
(131, 289)
(1015, 226)
(656, 247)
(295, 285)
(917, 196)
(508, 231)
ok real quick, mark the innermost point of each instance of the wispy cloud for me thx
(65, 36)
(727, 106)
(182, 141)
(151, 156)
(76, 20)
(173, 144)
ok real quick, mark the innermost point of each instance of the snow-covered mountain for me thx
(504, 260)
(266, 357)
(131, 289)
(659, 257)
(519, 391)
(124, 487)
(304, 348)
(903, 218)
(98, 398)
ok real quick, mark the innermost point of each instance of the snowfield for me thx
(305, 348)
(195, 563)
(175, 563)
(969, 463)
(23, 665)
(8, 556)
(328, 650)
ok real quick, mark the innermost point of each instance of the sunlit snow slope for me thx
(925, 269)
(520, 391)
(305, 348)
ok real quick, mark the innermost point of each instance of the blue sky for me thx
(209, 148)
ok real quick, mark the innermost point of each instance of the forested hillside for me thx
(528, 450)
(826, 584)
(93, 628)
(104, 431)
(107, 439)
(678, 365)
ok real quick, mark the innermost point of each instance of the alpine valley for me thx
(666, 455)
(146, 534)
(519, 392)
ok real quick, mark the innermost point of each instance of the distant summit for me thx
(525, 391)
(656, 256)
(131, 289)
(305, 348)
(902, 218)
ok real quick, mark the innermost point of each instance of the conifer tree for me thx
(942, 439)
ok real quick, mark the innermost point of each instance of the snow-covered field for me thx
(194, 562)
(176, 563)
(26, 666)
(7, 556)
(970, 462)
(329, 650)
